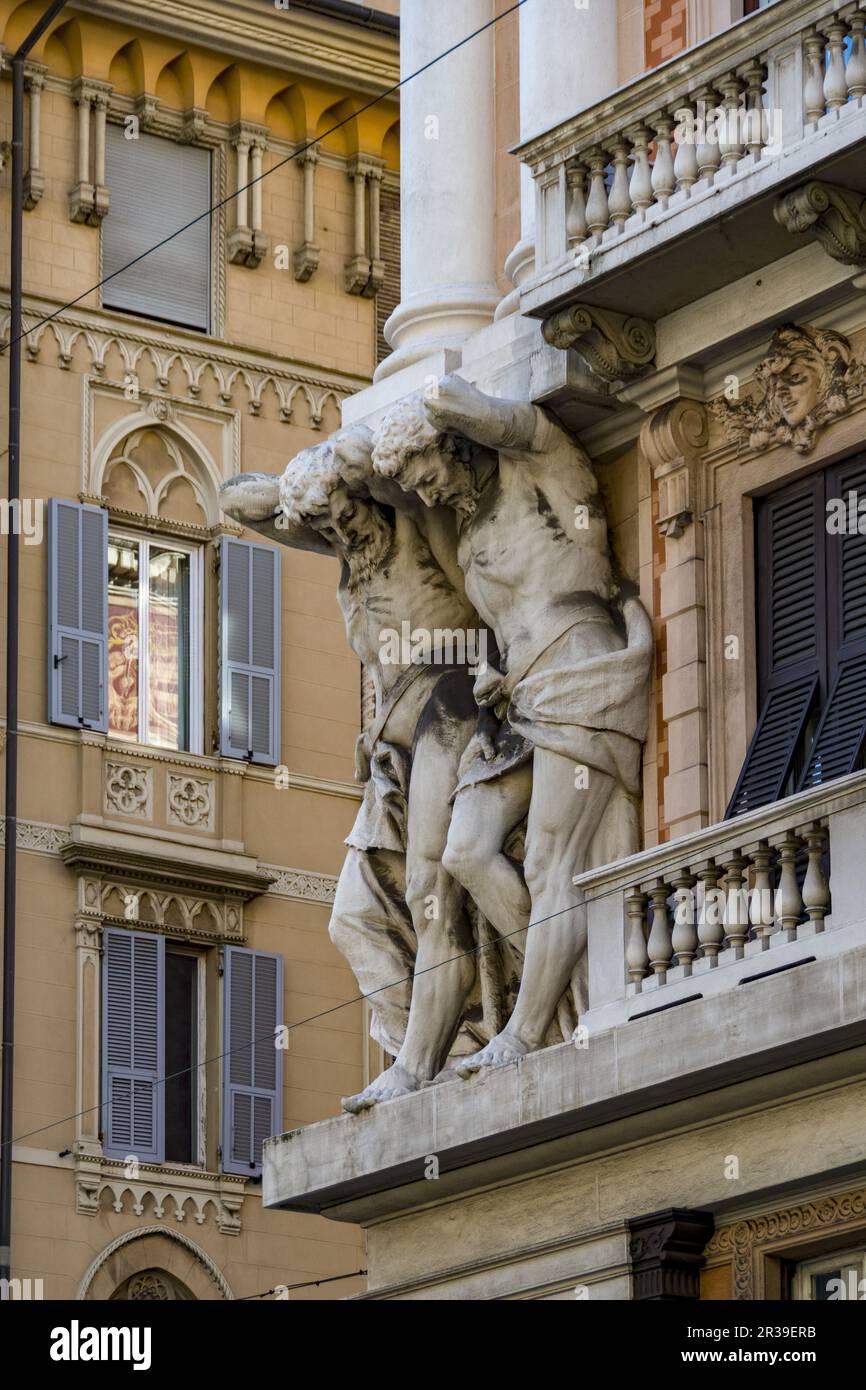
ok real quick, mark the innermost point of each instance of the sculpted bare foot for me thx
(505, 1047)
(396, 1081)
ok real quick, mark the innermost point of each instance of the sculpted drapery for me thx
(504, 755)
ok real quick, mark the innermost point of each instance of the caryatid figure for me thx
(574, 651)
(409, 758)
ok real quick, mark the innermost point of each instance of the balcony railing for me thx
(729, 120)
(762, 892)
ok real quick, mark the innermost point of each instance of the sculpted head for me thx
(803, 372)
(314, 492)
(408, 448)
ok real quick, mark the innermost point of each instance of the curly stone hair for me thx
(405, 431)
(307, 484)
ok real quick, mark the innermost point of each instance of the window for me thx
(156, 187)
(153, 1047)
(811, 582)
(831, 1278)
(154, 642)
(125, 637)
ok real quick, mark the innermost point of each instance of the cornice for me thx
(301, 42)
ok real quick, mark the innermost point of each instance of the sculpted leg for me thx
(562, 822)
(481, 821)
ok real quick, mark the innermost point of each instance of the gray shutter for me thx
(252, 1063)
(157, 186)
(133, 1044)
(249, 651)
(77, 614)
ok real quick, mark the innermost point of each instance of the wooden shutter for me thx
(252, 1064)
(157, 186)
(249, 651)
(133, 1044)
(790, 572)
(78, 615)
(841, 734)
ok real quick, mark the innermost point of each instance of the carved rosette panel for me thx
(128, 790)
(190, 802)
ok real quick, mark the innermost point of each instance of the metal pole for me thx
(12, 590)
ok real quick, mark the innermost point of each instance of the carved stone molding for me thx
(666, 1251)
(745, 1241)
(174, 1192)
(835, 215)
(190, 802)
(617, 347)
(808, 378)
(671, 440)
(128, 790)
(37, 836)
(297, 883)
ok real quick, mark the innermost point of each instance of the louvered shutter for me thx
(157, 186)
(250, 651)
(791, 636)
(841, 734)
(133, 1044)
(78, 614)
(252, 1063)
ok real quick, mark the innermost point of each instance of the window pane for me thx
(123, 637)
(180, 1058)
(168, 648)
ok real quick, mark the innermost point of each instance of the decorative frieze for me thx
(298, 883)
(190, 802)
(139, 1189)
(809, 377)
(128, 790)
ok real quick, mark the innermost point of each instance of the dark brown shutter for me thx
(792, 637)
(389, 295)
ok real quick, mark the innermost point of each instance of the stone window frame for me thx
(733, 481)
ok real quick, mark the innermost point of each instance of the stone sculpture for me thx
(465, 510)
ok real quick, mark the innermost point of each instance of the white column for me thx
(568, 60)
(447, 180)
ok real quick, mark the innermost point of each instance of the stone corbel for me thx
(147, 111)
(247, 244)
(835, 215)
(194, 130)
(88, 199)
(671, 440)
(34, 179)
(666, 1250)
(616, 347)
(306, 260)
(365, 271)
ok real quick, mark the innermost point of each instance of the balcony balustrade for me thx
(757, 894)
(713, 133)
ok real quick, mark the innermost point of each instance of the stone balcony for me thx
(667, 190)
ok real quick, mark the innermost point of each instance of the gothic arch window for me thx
(151, 1286)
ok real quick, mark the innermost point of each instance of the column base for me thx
(435, 321)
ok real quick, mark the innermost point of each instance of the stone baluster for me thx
(619, 200)
(597, 214)
(813, 91)
(855, 73)
(659, 943)
(816, 889)
(761, 908)
(790, 902)
(711, 932)
(684, 939)
(737, 903)
(640, 188)
(755, 121)
(835, 83)
(636, 954)
(663, 180)
(686, 170)
(708, 154)
(575, 222)
(731, 121)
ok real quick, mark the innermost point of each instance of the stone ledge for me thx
(360, 1167)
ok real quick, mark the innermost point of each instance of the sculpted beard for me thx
(363, 560)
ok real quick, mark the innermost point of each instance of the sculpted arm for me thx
(253, 499)
(458, 407)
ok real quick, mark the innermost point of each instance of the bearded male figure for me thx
(574, 657)
(409, 757)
